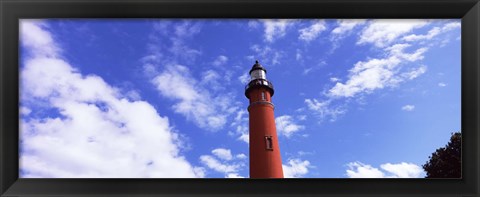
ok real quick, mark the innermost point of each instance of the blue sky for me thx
(165, 98)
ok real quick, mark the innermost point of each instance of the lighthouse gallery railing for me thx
(256, 82)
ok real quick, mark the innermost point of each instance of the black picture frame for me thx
(13, 10)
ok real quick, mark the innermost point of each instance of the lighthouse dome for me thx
(257, 66)
(258, 72)
(258, 78)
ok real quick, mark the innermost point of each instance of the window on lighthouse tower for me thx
(268, 143)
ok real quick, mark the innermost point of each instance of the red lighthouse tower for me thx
(265, 160)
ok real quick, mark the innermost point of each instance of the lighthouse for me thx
(265, 160)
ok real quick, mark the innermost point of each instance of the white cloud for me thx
(396, 64)
(245, 78)
(221, 60)
(286, 126)
(169, 41)
(199, 171)
(203, 100)
(229, 165)
(414, 73)
(216, 165)
(442, 84)
(241, 156)
(360, 170)
(372, 74)
(275, 28)
(408, 107)
(213, 80)
(240, 123)
(252, 24)
(296, 168)
(385, 31)
(302, 117)
(39, 41)
(173, 84)
(210, 76)
(303, 153)
(222, 153)
(25, 110)
(403, 170)
(346, 25)
(310, 33)
(245, 137)
(133, 95)
(451, 26)
(388, 170)
(433, 32)
(344, 28)
(334, 79)
(98, 132)
(324, 110)
(234, 175)
(275, 58)
(187, 29)
(193, 101)
(268, 55)
(250, 58)
(150, 58)
(313, 67)
(298, 55)
(397, 50)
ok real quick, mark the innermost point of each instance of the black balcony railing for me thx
(259, 82)
(256, 82)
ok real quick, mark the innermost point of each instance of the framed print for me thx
(364, 98)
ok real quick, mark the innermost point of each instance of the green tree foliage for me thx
(446, 162)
